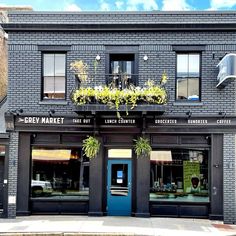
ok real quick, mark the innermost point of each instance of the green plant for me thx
(142, 147)
(80, 69)
(91, 147)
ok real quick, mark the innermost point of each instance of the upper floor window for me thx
(121, 71)
(188, 77)
(54, 72)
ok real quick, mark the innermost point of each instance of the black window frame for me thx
(42, 75)
(199, 78)
(129, 50)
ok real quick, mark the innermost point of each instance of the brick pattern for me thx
(229, 179)
(25, 66)
(125, 18)
(12, 173)
(25, 70)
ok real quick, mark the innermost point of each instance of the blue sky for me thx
(120, 5)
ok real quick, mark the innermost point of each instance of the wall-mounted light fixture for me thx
(189, 114)
(51, 112)
(16, 112)
(222, 114)
(145, 57)
(98, 58)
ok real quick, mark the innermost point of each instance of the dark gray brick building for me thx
(191, 169)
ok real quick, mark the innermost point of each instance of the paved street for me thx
(84, 225)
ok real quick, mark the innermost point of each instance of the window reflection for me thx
(59, 173)
(54, 71)
(183, 177)
(188, 76)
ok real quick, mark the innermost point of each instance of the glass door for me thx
(121, 71)
(119, 188)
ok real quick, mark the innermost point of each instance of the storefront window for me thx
(59, 173)
(179, 175)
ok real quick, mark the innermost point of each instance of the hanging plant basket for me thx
(142, 147)
(91, 147)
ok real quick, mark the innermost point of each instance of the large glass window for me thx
(188, 77)
(59, 173)
(54, 71)
(179, 175)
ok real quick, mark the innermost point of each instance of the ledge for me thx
(101, 107)
(188, 104)
(53, 102)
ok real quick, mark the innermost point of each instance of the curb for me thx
(67, 234)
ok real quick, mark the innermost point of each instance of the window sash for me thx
(188, 76)
(54, 71)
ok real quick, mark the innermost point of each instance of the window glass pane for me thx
(60, 64)
(182, 179)
(182, 65)
(48, 87)
(59, 174)
(182, 88)
(194, 60)
(48, 64)
(193, 89)
(59, 87)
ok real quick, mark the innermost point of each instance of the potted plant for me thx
(142, 147)
(91, 146)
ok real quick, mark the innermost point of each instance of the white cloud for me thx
(104, 6)
(72, 7)
(119, 4)
(216, 4)
(175, 5)
(147, 5)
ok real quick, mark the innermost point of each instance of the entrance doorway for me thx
(119, 189)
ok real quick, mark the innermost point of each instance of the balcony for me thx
(119, 94)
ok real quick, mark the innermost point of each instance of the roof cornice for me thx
(230, 26)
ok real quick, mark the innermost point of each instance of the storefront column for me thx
(12, 174)
(142, 187)
(216, 164)
(229, 179)
(96, 183)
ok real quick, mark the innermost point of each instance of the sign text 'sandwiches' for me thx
(197, 121)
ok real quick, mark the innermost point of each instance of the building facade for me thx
(191, 170)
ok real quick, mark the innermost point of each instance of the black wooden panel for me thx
(164, 210)
(164, 139)
(179, 209)
(72, 138)
(193, 139)
(59, 207)
(1, 180)
(46, 138)
(23, 185)
(216, 167)
(193, 211)
(118, 139)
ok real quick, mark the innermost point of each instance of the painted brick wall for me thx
(12, 173)
(229, 179)
(127, 18)
(25, 65)
(25, 70)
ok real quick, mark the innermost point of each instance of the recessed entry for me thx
(119, 153)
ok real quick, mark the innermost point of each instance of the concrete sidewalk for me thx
(84, 225)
